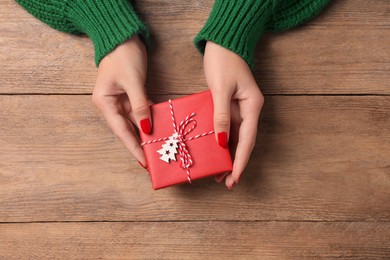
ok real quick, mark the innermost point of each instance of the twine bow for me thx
(180, 135)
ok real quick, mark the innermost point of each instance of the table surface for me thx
(316, 185)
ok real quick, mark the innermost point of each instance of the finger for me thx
(221, 101)
(229, 181)
(131, 117)
(250, 109)
(140, 107)
(125, 132)
(121, 127)
(221, 177)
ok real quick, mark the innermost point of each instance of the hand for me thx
(237, 105)
(120, 94)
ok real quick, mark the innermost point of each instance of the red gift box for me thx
(182, 146)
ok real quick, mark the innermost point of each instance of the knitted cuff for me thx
(236, 25)
(107, 23)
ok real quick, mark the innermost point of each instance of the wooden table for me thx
(317, 185)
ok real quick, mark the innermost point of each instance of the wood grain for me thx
(199, 240)
(343, 51)
(316, 158)
(317, 185)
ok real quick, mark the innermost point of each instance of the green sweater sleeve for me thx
(238, 25)
(107, 23)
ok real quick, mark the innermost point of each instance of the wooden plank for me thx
(316, 158)
(335, 53)
(199, 240)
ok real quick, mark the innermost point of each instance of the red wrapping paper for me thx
(208, 157)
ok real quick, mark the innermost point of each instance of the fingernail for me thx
(238, 180)
(231, 187)
(222, 139)
(146, 126)
(141, 165)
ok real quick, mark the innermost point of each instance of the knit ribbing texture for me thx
(107, 23)
(237, 25)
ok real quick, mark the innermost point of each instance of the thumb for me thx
(140, 108)
(222, 100)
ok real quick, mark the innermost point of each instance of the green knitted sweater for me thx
(235, 24)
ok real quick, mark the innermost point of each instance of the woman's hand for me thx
(237, 105)
(120, 93)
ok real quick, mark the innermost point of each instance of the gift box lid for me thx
(205, 155)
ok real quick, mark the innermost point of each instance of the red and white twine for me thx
(185, 156)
